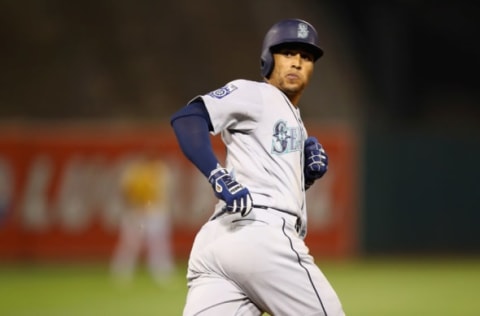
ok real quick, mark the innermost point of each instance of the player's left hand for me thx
(316, 161)
(236, 196)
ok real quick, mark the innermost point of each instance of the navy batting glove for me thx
(236, 196)
(316, 161)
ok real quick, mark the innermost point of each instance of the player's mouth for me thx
(292, 77)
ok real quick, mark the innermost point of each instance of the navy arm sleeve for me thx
(192, 128)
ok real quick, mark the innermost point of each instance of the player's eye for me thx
(306, 56)
(293, 52)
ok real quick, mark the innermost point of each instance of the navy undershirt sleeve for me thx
(192, 128)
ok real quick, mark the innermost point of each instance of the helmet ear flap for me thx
(266, 63)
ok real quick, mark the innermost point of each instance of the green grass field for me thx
(383, 287)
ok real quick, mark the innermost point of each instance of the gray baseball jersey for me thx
(264, 138)
(258, 263)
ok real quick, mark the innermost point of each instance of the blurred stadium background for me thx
(86, 84)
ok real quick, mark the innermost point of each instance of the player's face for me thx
(292, 70)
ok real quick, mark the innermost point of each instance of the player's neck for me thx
(293, 97)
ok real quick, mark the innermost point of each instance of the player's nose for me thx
(296, 60)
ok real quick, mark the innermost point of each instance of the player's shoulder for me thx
(236, 88)
(245, 83)
(262, 86)
(248, 86)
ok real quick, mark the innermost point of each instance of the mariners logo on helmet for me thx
(302, 31)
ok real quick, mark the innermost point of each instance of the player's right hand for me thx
(236, 196)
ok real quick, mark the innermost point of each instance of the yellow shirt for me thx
(145, 183)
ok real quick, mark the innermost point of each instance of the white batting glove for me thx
(236, 196)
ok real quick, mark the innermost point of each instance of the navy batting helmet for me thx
(287, 31)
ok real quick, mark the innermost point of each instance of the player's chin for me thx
(295, 81)
(293, 87)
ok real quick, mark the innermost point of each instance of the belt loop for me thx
(298, 225)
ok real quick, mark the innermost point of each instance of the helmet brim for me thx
(316, 51)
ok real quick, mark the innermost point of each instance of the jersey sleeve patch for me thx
(223, 91)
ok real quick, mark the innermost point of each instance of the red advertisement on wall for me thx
(60, 197)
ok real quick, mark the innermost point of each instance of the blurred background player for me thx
(145, 223)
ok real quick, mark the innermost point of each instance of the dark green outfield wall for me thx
(421, 192)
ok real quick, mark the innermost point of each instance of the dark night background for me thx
(403, 73)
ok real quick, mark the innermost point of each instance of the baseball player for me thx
(250, 258)
(145, 224)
